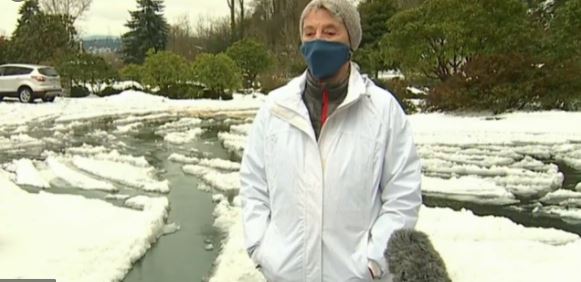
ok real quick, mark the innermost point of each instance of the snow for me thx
(221, 181)
(28, 174)
(139, 177)
(212, 163)
(18, 141)
(71, 238)
(468, 188)
(179, 125)
(233, 142)
(66, 110)
(578, 187)
(76, 178)
(183, 137)
(557, 197)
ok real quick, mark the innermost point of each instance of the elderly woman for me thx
(330, 169)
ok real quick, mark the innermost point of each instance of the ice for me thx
(221, 181)
(468, 188)
(76, 178)
(18, 141)
(212, 163)
(181, 124)
(28, 174)
(557, 197)
(128, 128)
(124, 173)
(179, 158)
(233, 142)
(143, 118)
(183, 137)
(241, 129)
(171, 228)
(71, 238)
(121, 197)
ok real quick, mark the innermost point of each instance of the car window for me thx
(48, 71)
(16, 71)
(22, 70)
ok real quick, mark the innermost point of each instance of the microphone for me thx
(412, 258)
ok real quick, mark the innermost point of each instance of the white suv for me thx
(28, 82)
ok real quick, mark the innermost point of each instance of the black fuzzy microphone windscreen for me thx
(412, 258)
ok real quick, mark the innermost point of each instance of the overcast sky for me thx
(108, 17)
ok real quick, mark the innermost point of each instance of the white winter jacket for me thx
(322, 210)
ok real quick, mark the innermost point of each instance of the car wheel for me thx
(25, 95)
(48, 99)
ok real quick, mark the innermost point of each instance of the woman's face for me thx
(320, 24)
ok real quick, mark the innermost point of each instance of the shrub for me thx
(79, 91)
(251, 57)
(217, 73)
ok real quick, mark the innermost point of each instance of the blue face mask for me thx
(325, 58)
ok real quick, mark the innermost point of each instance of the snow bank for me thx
(28, 174)
(124, 173)
(71, 238)
(76, 178)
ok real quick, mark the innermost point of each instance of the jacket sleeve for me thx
(254, 187)
(400, 186)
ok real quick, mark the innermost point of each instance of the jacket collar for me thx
(292, 97)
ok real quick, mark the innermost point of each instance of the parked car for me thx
(29, 82)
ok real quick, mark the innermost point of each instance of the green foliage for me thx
(566, 30)
(374, 22)
(83, 69)
(399, 89)
(131, 72)
(148, 30)
(436, 38)
(109, 91)
(496, 83)
(4, 46)
(251, 57)
(217, 73)
(558, 86)
(79, 91)
(43, 38)
(164, 69)
(374, 17)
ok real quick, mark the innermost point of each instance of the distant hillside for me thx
(102, 44)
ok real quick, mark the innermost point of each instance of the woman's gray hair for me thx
(344, 12)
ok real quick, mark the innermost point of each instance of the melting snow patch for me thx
(72, 238)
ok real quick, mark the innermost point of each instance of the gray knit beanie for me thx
(343, 10)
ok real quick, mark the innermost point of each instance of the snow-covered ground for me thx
(501, 160)
(71, 238)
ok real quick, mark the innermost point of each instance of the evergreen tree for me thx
(27, 11)
(148, 29)
(41, 38)
(374, 17)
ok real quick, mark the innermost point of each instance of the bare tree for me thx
(232, 6)
(72, 8)
(241, 22)
(181, 38)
